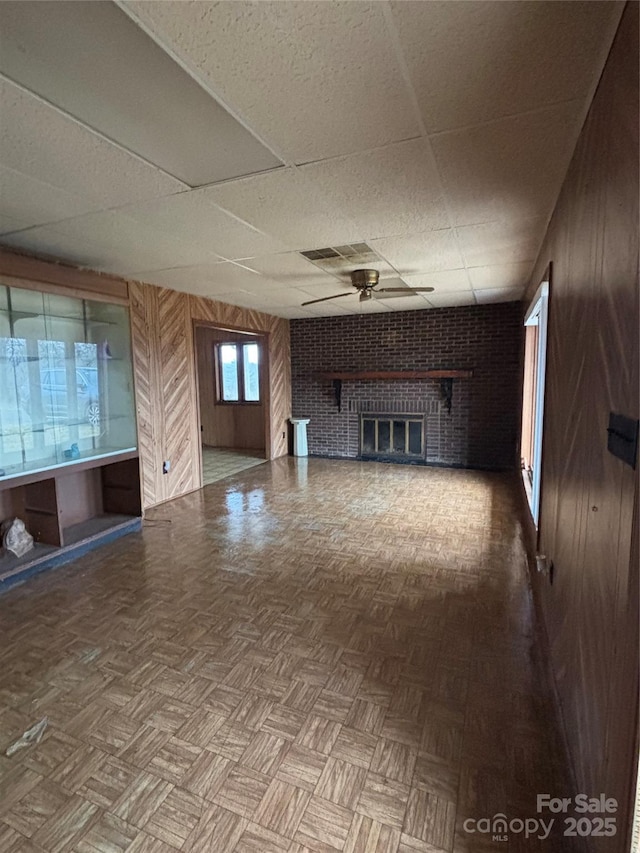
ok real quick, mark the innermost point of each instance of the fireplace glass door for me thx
(391, 436)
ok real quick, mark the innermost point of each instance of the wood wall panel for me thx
(181, 420)
(279, 386)
(587, 516)
(162, 323)
(149, 409)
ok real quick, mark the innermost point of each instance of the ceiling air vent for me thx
(341, 259)
(337, 251)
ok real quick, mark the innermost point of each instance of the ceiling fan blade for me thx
(407, 291)
(325, 298)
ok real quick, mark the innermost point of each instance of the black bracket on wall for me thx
(446, 393)
(443, 376)
(337, 392)
(622, 438)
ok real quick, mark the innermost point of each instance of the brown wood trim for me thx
(399, 374)
(35, 274)
(66, 468)
(225, 327)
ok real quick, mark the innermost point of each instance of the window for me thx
(66, 385)
(238, 373)
(533, 396)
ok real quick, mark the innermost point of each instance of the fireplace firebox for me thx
(392, 436)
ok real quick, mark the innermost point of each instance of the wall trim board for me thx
(37, 274)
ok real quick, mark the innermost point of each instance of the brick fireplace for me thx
(480, 430)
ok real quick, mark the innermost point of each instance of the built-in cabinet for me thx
(69, 464)
(77, 506)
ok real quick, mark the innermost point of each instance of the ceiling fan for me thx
(366, 283)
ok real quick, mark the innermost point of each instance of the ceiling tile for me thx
(394, 190)
(127, 82)
(109, 242)
(406, 303)
(265, 291)
(193, 216)
(475, 61)
(371, 306)
(501, 242)
(320, 291)
(242, 298)
(45, 240)
(320, 80)
(500, 275)
(203, 278)
(511, 168)
(40, 142)
(446, 281)
(290, 296)
(288, 206)
(449, 300)
(7, 224)
(290, 269)
(34, 202)
(330, 309)
(430, 251)
(289, 312)
(500, 294)
(185, 278)
(344, 89)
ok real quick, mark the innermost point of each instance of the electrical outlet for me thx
(166, 466)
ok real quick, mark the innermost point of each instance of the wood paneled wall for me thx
(224, 425)
(587, 514)
(166, 395)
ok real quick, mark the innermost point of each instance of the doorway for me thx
(232, 386)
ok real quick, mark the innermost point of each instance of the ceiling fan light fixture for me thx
(365, 294)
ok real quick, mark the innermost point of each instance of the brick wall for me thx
(482, 429)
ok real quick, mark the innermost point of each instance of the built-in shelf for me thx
(444, 376)
(68, 511)
(12, 477)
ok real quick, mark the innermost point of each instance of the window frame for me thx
(537, 315)
(240, 348)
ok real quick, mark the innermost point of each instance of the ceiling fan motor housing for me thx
(364, 279)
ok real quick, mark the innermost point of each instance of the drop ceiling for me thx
(204, 146)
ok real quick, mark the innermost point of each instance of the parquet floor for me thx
(221, 462)
(317, 656)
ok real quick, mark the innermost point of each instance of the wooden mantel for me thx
(444, 376)
(398, 374)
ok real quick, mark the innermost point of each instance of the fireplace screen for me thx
(392, 435)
